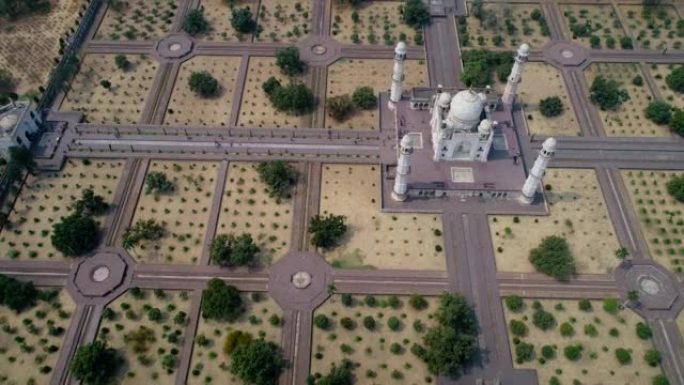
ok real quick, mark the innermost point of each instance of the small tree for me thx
(242, 20)
(607, 94)
(416, 14)
(327, 231)
(338, 375)
(278, 176)
(573, 352)
(660, 379)
(652, 357)
(122, 62)
(514, 303)
(340, 107)
(675, 187)
(106, 84)
(623, 356)
(221, 301)
(17, 295)
(195, 23)
(142, 230)
(543, 319)
(94, 363)
(364, 97)
(677, 122)
(321, 321)
(659, 112)
(633, 296)
(622, 253)
(75, 235)
(295, 98)
(258, 363)
(675, 80)
(203, 84)
(518, 328)
(551, 106)
(229, 250)
(418, 302)
(156, 182)
(90, 204)
(553, 257)
(289, 62)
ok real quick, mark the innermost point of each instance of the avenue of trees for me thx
(480, 65)
(327, 230)
(279, 177)
(554, 258)
(221, 301)
(342, 107)
(203, 84)
(95, 363)
(607, 94)
(229, 250)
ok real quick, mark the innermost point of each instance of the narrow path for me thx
(82, 330)
(668, 339)
(650, 81)
(164, 95)
(587, 117)
(119, 198)
(128, 205)
(185, 357)
(313, 202)
(299, 201)
(238, 91)
(153, 97)
(320, 87)
(554, 20)
(215, 212)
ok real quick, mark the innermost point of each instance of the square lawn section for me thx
(502, 25)
(597, 331)
(137, 20)
(211, 361)
(246, 207)
(145, 344)
(46, 198)
(371, 349)
(379, 22)
(376, 239)
(577, 212)
(602, 20)
(184, 212)
(653, 27)
(284, 20)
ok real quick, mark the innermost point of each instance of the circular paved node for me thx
(300, 280)
(656, 287)
(100, 278)
(319, 50)
(566, 53)
(174, 47)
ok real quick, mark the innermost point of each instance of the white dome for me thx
(485, 127)
(466, 108)
(401, 48)
(444, 99)
(8, 121)
(524, 49)
(406, 142)
(549, 145)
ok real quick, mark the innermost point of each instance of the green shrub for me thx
(611, 306)
(623, 356)
(514, 303)
(573, 352)
(543, 319)
(518, 328)
(643, 331)
(321, 321)
(652, 357)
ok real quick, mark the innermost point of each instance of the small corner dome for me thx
(444, 99)
(485, 127)
(549, 145)
(524, 49)
(406, 141)
(466, 107)
(401, 48)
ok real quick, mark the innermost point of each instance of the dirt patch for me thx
(219, 15)
(186, 108)
(210, 361)
(46, 198)
(577, 212)
(123, 102)
(603, 19)
(660, 215)
(184, 213)
(256, 110)
(378, 22)
(284, 20)
(629, 118)
(29, 45)
(510, 26)
(371, 349)
(375, 239)
(129, 315)
(142, 20)
(343, 78)
(597, 364)
(247, 208)
(531, 94)
(39, 347)
(653, 27)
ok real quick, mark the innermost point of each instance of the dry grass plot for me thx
(383, 355)
(599, 20)
(377, 22)
(150, 346)
(256, 110)
(187, 108)
(598, 333)
(375, 239)
(343, 78)
(30, 341)
(505, 25)
(123, 102)
(577, 212)
(541, 73)
(284, 20)
(29, 45)
(629, 118)
(660, 215)
(654, 27)
(184, 213)
(210, 363)
(660, 72)
(137, 20)
(46, 198)
(219, 14)
(246, 207)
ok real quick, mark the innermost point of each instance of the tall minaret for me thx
(534, 179)
(516, 74)
(400, 182)
(397, 74)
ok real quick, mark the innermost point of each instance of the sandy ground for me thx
(659, 215)
(660, 72)
(629, 119)
(133, 372)
(604, 368)
(266, 220)
(15, 363)
(190, 109)
(343, 78)
(541, 73)
(644, 31)
(602, 17)
(140, 20)
(123, 102)
(380, 19)
(46, 198)
(184, 212)
(29, 45)
(520, 17)
(256, 110)
(575, 197)
(379, 359)
(375, 239)
(203, 366)
(219, 14)
(284, 20)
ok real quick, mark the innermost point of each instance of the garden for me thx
(654, 27)
(46, 198)
(190, 108)
(107, 92)
(581, 342)
(284, 20)
(595, 26)
(137, 20)
(577, 213)
(376, 239)
(172, 213)
(377, 22)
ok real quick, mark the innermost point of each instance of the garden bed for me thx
(509, 26)
(284, 20)
(378, 22)
(139, 20)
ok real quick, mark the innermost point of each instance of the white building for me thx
(18, 121)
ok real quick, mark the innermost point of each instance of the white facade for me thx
(17, 122)
(537, 173)
(397, 74)
(403, 166)
(516, 74)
